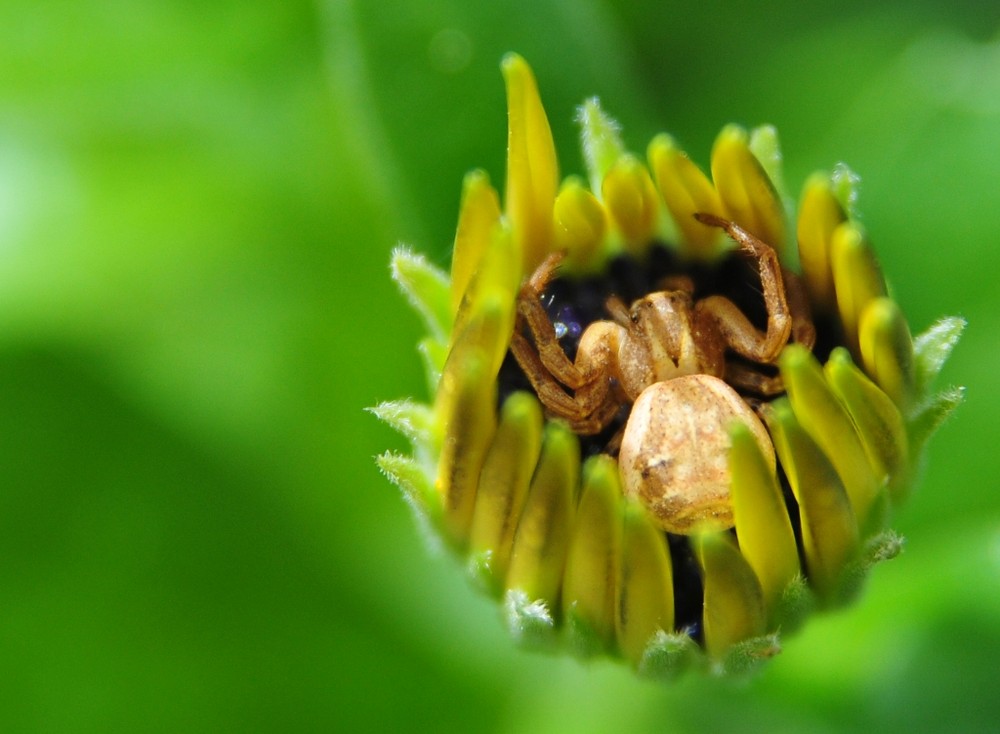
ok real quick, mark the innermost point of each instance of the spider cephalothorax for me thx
(679, 362)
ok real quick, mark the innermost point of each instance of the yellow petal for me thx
(826, 420)
(734, 603)
(646, 589)
(887, 350)
(878, 420)
(857, 279)
(819, 215)
(747, 192)
(466, 414)
(539, 552)
(478, 217)
(532, 168)
(631, 199)
(829, 526)
(686, 191)
(581, 225)
(762, 525)
(591, 578)
(489, 302)
(503, 483)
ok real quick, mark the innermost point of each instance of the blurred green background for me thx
(197, 206)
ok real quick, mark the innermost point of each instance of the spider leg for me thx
(803, 330)
(530, 311)
(737, 331)
(745, 377)
(597, 422)
(588, 410)
(592, 404)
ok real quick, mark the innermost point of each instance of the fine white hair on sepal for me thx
(530, 622)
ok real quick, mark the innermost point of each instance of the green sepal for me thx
(426, 287)
(417, 488)
(668, 654)
(583, 639)
(845, 183)
(601, 141)
(766, 148)
(412, 419)
(528, 621)
(797, 602)
(932, 348)
(433, 355)
(929, 416)
(881, 547)
(745, 657)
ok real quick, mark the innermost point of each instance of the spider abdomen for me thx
(675, 451)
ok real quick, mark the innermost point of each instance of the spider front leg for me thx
(734, 327)
(592, 405)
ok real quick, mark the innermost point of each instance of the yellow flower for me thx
(536, 503)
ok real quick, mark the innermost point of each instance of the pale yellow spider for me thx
(667, 355)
